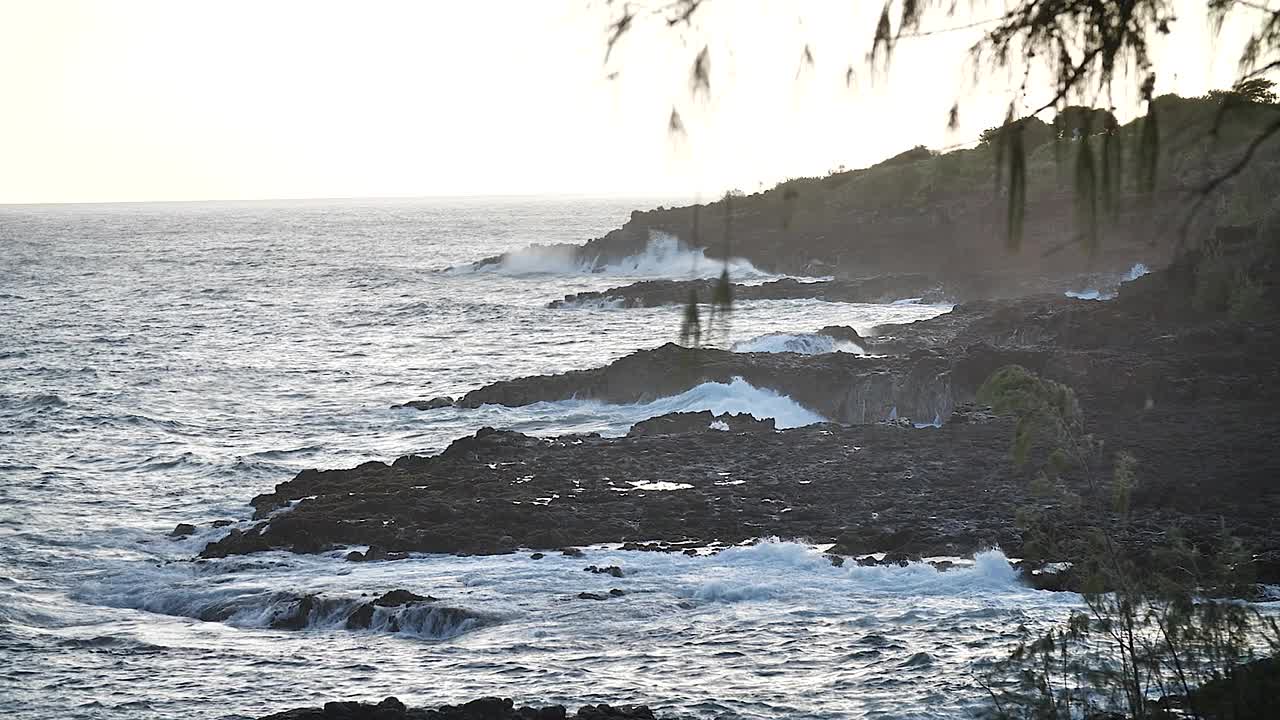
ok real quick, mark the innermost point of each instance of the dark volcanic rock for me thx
(882, 289)
(183, 530)
(804, 483)
(432, 404)
(489, 708)
(839, 386)
(396, 598)
(395, 611)
(1190, 394)
(705, 421)
(927, 288)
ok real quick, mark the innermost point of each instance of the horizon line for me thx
(339, 198)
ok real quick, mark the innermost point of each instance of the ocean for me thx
(164, 363)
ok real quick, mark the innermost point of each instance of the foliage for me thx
(908, 157)
(1149, 635)
(1093, 52)
(1255, 90)
(1035, 132)
(1233, 274)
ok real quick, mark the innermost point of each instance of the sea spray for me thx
(802, 344)
(664, 255)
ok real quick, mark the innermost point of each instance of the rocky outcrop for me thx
(434, 403)
(883, 289)
(489, 708)
(943, 215)
(1242, 692)
(926, 288)
(868, 488)
(392, 612)
(1188, 392)
(497, 491)
(705, 421)
(842, 387)
(1149, 350)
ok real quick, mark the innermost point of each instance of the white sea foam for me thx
(665, 255)
(1109, 292)
(501, 589)
(1090, 294)
(773, 569)
(735, 396)
(1135, 272)
(603, 303)
(803, 344)
(252, 603)
(562, 417)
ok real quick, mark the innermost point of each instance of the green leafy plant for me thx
(1154, 628)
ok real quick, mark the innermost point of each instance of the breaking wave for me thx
(1109, 290)
(774, 569)
(803, 344)
(665, 255)
(735, 396)
(254, 607)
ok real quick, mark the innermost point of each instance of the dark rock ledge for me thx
(489, 708)
(929, 288)
(1191, 395)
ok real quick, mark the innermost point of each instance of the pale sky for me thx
(133, 100)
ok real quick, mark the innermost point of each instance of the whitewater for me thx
(164, 363)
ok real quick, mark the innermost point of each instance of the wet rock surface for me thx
(434, 403)
(880, 289)
(490, 708)
(1189, 394)
(922, 287)
(839, 386)
(811, 482)
(705, 421)
(392, 612)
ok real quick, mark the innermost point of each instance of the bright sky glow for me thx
(235, 99)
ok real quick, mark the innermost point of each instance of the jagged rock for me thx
(360, 618)
(613, 570)
(839, 386)
(396, 598)
(901, 559)
(183, 530)
(1172, 388)
(432, 404)
(298, 615)
(489, 708)
(704, 421)
(878, 289)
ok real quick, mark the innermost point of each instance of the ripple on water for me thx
(165, 364)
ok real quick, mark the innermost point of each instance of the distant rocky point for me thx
(490, 708)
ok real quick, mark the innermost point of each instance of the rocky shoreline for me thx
(489, 708)
(886, 288)
(1190, 394)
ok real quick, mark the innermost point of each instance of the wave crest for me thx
(664, 255)
(803, 344)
